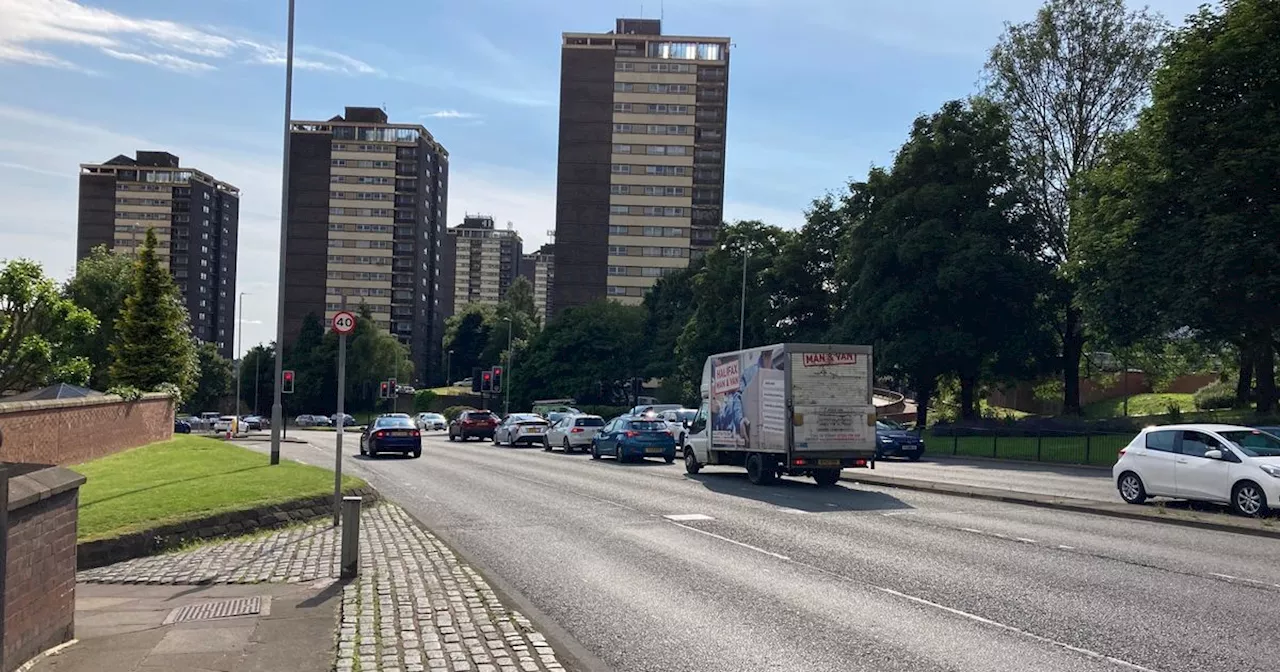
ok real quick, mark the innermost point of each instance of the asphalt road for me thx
(792, 577)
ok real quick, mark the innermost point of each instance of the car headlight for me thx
(885, 439)
(1271, 469)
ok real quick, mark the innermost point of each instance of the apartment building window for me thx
(616, 291)
(622, 128)
(622, 107)
(650, 272)
(617, 270)
(624, 66)
(615, 189)
(623, 87)
(675, 252)
(653, 230)
(662, 108)
(620, 168)
(666, 170)
(670, 67)
(618, 250)
(617, 230)
(619, 210)
(664, 191)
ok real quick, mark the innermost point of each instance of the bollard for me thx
(350, 559)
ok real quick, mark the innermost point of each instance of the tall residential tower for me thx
(366, 220)
(196, 219)
(640, 180)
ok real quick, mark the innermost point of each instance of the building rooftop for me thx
(156, 159)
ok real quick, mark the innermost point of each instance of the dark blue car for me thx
(894, 440)
(634, 438)
(391, 434)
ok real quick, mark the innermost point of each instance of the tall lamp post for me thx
(506, 378)
(240, 354)
(277, 406)
(448, 369)
(742, 306)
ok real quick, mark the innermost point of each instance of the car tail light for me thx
(576, 430)
(379, 434)
(631, 434)
(799, 462)
(860, 463)
(416, 433)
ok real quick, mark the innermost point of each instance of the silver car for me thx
(573, 432)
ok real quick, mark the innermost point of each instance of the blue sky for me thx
(819, 91)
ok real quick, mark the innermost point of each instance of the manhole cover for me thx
(240, 606)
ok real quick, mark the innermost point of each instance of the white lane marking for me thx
(1066, 547)
(785, 509)
(735, 542)
(1025, 540)
(1255, 582)
(897, 513)
(970, 529)
(687, 517)
(935, 605)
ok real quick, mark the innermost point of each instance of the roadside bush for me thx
(1216, 395)
(453, 411)
(126, 392)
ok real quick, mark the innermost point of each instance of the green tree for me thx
(423, 400)
(153, 336)
(373, 355)
(101, 283)
(940, 268)
(213, 385)
(40, 330)
(1192, 192)
(588, 353)
(314, 363)
(467, 334)
(668, 306)
(520, 299)
(258, 381)
(1072, 76)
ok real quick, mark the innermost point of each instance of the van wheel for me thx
(691, 465)
(759, 470)
(826, 477)
(1131, 488)
(1247, 499)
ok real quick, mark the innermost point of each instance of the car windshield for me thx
(477, 416)
(1254, 443)
(686, 415)
(526, 417)
(393, 422)
(647, 425)
(887, 424)
(433, 416)
(589, 422)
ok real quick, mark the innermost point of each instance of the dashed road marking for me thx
(687, 517)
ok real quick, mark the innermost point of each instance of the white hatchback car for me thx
(572, 432)
(1228, 464)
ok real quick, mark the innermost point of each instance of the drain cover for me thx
(240, 606)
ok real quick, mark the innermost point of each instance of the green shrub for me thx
(126, 392)
(1174, 412)
(1216, 395)
(453, 412)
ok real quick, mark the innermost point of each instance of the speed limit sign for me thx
(344, 322)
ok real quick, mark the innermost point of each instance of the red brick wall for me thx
(71, 431)
(40, 580)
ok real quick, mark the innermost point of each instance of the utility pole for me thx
(240, 356)
(506, 377)
(343, 323)
(277, 405)
(742, 307)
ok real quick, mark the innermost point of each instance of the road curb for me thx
(1217, 522)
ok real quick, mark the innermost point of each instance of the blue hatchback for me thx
(391, 434)
(631, 438)
(893, 440)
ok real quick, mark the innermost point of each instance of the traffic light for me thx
(382, 390)
(287, 387)
(497, 379)
(475, 380)
(393, 390)
(486, 381)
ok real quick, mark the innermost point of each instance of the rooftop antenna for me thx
(662, 9)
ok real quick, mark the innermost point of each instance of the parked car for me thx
(181, 426)
(468, 424)
(224, 424)
(1239, 466)
(517, 428)
(678, 421)
(347, 420)
(631, 438)
(431, 421)
(656, 409)
(894, 440)
(573, 432)
(391, 433)
(254, 423)
(311, 421)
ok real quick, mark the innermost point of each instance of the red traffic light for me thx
(497, 370)
(487, 375)
(288, 376)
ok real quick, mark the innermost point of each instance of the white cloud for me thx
(166, 61)
(450, 114)
(32, 27)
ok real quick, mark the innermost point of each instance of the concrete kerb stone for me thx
(1208, 521)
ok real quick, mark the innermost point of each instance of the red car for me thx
(469, 424)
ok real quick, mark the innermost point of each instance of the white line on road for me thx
(1025, 540)
(1255, 582)
(757, 549)
(687, 517)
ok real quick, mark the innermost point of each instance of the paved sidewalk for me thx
(415, 606)
(1060, 480)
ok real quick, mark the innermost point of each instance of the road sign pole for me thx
(342, 420)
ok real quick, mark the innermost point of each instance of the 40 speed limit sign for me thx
(344, 322)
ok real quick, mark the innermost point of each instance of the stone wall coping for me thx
(50, 404)
(40, 485)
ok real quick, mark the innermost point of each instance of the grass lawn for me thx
(1098, 450)
(186, 478)
(1139, 404)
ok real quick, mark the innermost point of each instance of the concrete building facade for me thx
(640, 175)
(486, 260)
(367, 206)
(196, 219)
(539, 268)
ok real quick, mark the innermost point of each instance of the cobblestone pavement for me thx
(415, 607)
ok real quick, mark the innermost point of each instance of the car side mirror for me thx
(1214, 454)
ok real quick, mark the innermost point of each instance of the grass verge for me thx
(1150, 404)
(1097, 450)
(187, 478)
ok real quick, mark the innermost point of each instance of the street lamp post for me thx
(239, 354)
(506, 377)
(742, 306)
(448, 369)
(277, 405)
